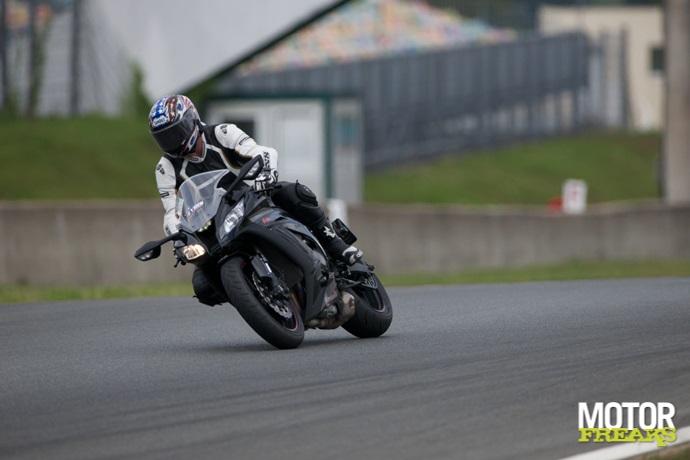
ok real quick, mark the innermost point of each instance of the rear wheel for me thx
(373, 309)
(276, 319)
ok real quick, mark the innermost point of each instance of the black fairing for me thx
(292, 250)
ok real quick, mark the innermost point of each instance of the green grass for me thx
(568, 271)
(114, 158)
(77, 158)
(560, 272)
(12, 294)
(617, 166)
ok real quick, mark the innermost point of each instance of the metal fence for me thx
(521, 15)
(609, 97)
(473, 97)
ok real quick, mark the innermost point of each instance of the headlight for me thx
(232, 219)
(193, 251)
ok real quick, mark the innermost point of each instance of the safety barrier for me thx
(92, 243)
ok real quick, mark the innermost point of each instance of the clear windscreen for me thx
(199, 198)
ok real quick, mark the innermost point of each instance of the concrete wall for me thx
(425, 239)
(82, 244)
(93, 243)
(645, 28)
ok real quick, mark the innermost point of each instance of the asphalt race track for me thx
(476, 372)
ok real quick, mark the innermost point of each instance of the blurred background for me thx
(473, 134)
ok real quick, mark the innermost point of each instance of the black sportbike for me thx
(268, 265)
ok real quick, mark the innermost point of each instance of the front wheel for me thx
(275, 319)
(373, 309)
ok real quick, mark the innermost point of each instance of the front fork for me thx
(338, 306)
(263, 270)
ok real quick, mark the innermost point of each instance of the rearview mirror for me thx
(149, 251)
(249, 171)
(252, 169)
(152, 249)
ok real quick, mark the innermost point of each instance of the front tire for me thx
(277, 321)
(373, 309)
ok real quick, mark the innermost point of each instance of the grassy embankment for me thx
(615, 166)
(83, 158)
(97, 158)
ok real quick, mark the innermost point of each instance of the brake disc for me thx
(276, 305)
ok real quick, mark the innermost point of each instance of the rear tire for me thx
(373, 310)
(266, 316)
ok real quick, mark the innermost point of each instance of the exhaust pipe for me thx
(346, 302)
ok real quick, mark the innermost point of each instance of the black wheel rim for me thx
(372, 297)
(283, 312)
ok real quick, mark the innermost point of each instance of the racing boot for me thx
(298, 200)
(334, 245)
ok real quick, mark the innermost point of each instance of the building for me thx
(636, 35)
(399, 81)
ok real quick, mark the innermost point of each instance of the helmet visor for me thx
(173, 139)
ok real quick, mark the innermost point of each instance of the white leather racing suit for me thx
(224, 146)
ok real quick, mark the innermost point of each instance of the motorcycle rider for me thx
(191, 147)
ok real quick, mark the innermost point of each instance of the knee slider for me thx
(300, 202)
(295, 196)
(305, 195)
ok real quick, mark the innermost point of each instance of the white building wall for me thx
(297, 129)
(645, 31)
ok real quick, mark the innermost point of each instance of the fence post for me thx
(3, 54)
(76, 57)
(626, 117)
(33, 60)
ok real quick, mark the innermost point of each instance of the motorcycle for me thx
(269, 266)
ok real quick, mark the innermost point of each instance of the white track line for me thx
(622, 451)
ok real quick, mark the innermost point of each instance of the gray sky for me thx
(179, 42)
